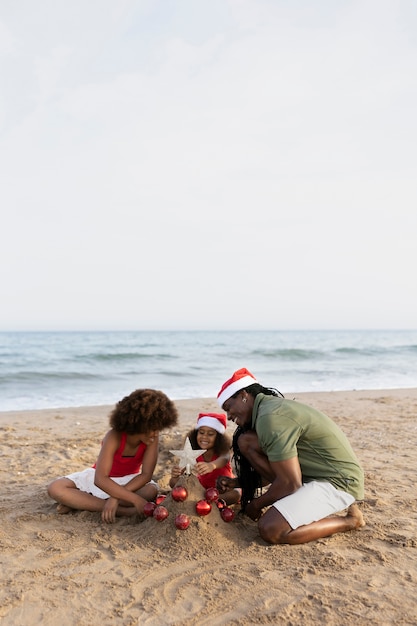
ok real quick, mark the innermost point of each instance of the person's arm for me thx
(288, 479)
(176, 472)
(148, 467)
(207, 467)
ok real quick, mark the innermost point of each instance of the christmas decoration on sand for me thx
(188, 503)
(187, 456)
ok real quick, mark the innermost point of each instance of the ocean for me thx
(62, 369)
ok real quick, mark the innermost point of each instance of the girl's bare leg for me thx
(64, 491)
(148, 492)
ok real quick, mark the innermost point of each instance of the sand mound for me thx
(203, 533)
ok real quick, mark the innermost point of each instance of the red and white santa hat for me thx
(240, 380)
(216, 421)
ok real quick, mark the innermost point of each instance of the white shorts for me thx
(312, 502)
(84, 481)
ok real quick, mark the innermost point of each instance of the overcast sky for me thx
(199, 164)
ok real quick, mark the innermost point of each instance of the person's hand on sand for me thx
(224, 483)
(108, 513)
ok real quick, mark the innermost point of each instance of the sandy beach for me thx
(75, 570)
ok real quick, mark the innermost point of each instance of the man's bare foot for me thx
(356, 514)
(62, 509)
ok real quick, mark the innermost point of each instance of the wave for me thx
(290, 354)
(42, 377)
(361, 351)
(302, 354)
(117, 356)
(411, 348)
(121, 356)
(375, 350)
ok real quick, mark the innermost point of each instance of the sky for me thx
(208, 164)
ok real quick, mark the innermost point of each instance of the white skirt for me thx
(84, 481)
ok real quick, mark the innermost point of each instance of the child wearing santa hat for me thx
(209, 436)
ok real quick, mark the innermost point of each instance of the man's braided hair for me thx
(249, 479)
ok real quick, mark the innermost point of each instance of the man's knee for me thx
(273, 528)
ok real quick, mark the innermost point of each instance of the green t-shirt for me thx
(287, 428)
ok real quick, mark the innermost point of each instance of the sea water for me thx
(61, 369)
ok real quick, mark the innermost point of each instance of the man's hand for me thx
(253, 510)
(224, 483)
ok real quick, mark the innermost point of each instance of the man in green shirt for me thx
(303, 456)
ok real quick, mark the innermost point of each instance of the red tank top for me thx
(209, 480)
(124, 465)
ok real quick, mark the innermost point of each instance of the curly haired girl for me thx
(120, 482)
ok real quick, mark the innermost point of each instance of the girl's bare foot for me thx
(62, 509)
(126, 511)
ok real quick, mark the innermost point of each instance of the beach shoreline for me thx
(75, 570)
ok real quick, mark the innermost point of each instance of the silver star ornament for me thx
(187, 456)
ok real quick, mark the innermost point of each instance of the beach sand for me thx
(74, 570)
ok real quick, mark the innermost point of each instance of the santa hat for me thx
(216, 421)
(240, 380)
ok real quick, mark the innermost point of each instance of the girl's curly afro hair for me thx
(142, 411)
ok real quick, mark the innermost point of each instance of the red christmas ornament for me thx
(160, 513)
(149, 508)
(179, 493)
(203, 507)
(182, 521)
(211, 494)
(227, 514)
(221, 504)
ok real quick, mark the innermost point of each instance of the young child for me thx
(120, 482)
(209, 434)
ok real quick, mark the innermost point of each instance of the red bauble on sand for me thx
(160, 513)
(203, 507)
(221, 504)
(227, 514)
(182, 521)
(211, 494)
(179, 494)
(149, 508)
(159, 499)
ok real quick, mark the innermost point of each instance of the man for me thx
(302, 454)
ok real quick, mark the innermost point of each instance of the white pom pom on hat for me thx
(240, 380)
